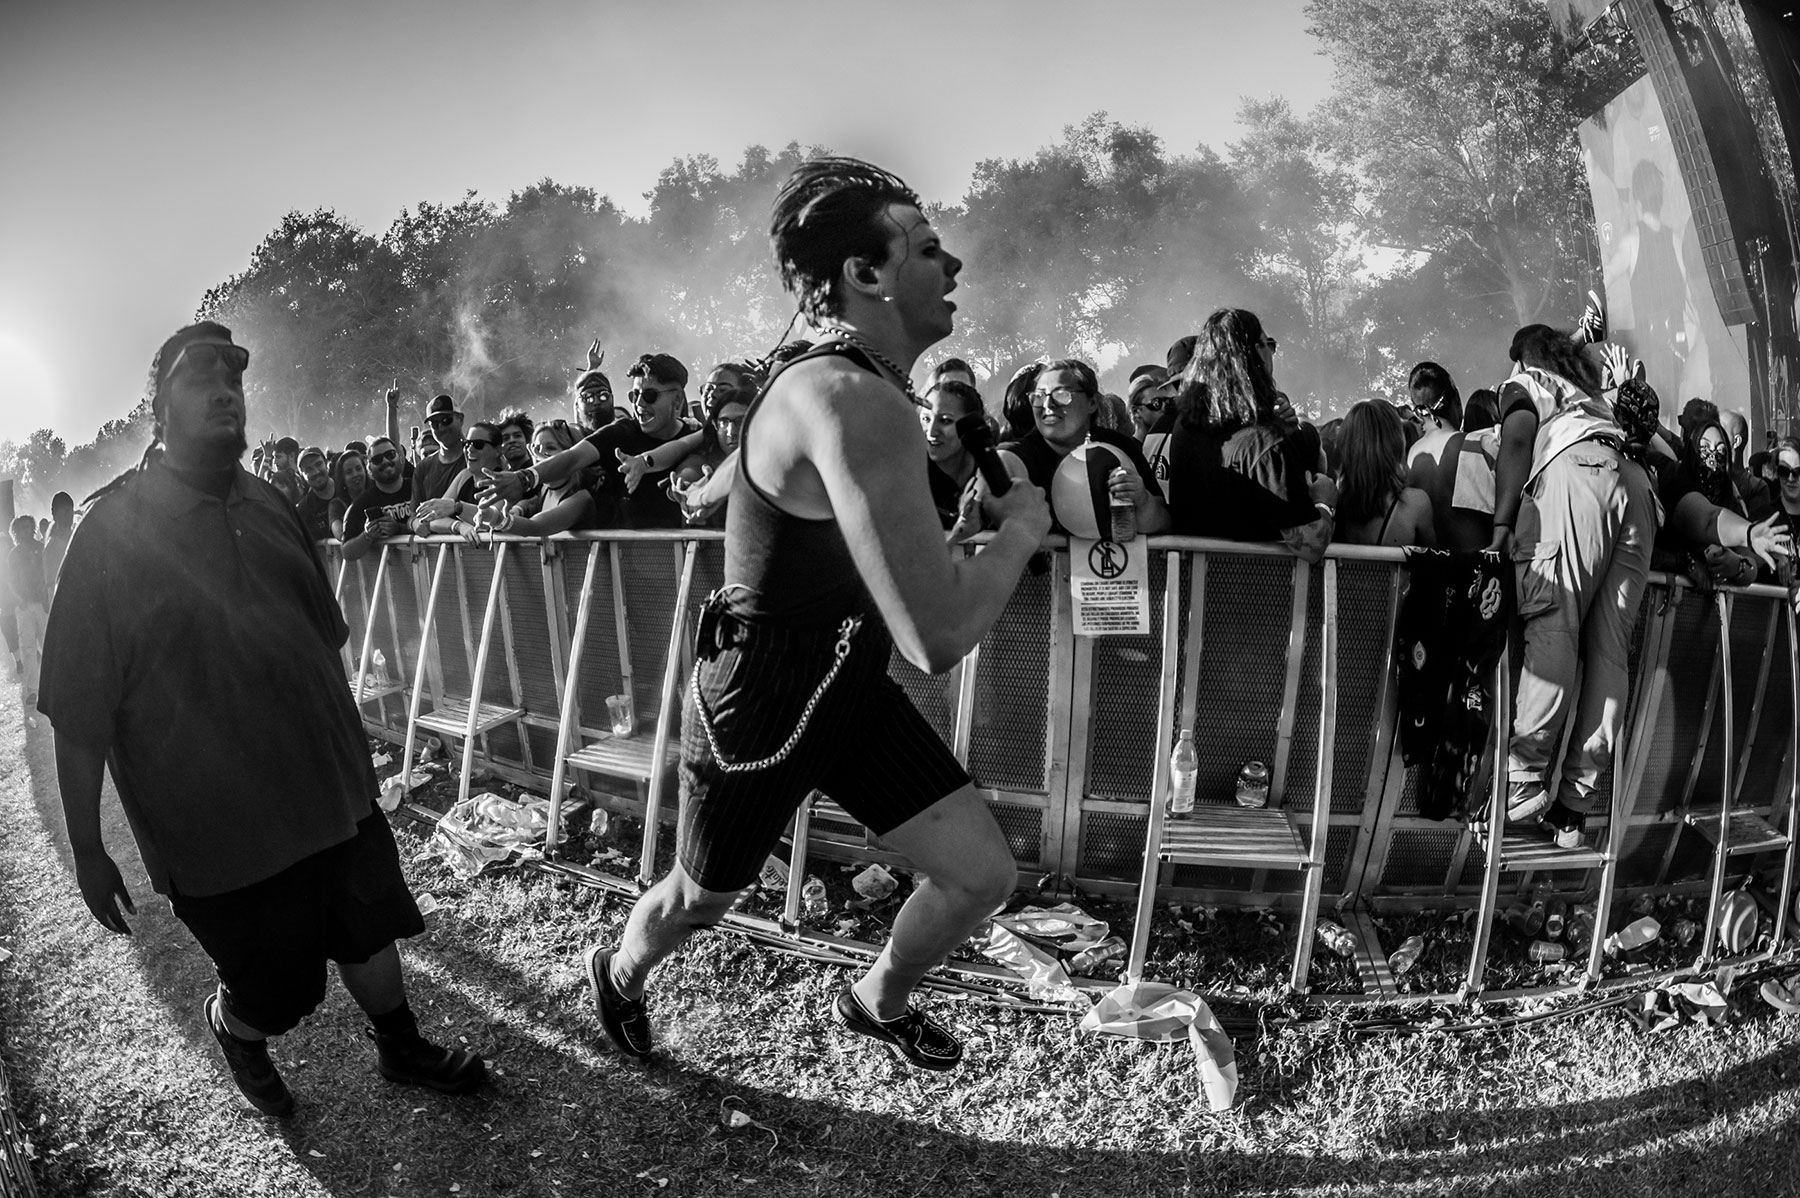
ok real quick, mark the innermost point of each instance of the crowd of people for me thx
(194, 648)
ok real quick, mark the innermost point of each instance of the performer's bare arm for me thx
(79, 769)
(835, 441)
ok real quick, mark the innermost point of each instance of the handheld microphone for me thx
(978, 439)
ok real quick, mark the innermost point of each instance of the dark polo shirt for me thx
(196, 640)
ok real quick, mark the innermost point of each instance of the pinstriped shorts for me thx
(866, 745)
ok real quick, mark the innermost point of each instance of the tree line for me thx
(1434, 202)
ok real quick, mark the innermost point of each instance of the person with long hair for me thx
(1436, 462)
(949, 468)
(1375, 505)
(1239, 468)
(558, 507)
(349, 479)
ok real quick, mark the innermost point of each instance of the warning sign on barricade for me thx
(1110, 582)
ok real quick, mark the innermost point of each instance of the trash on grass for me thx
(1094, 956)
(395, 789)
(5, 956)
(1044, 976)
(427, 903)
(874, 883)
(485, 828)
(1159, 1012)
(1628, 941)
(1065, 925)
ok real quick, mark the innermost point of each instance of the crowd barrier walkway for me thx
(1068, 738)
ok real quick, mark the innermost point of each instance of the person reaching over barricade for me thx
(1375, 506)
(384, 509)
(1240, 466)
(833, 559)
(727, 394)
(551, 509)
(658, 398)
(457, 507)
(194, 651)
(1065, 400)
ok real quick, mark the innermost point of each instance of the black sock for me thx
(397, 1022)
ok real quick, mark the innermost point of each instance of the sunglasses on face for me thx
(204, 354)
(1267, 343)
(1149, 405)
(382, 459)
(440, 420)
(649, 394)
(475, 445)
(1787, 474)
(711, 389)
(1062, 397)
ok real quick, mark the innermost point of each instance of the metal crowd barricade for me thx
(1068, 738)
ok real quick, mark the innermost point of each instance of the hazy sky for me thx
(147, 146)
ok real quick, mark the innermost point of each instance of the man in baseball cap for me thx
(435, 471)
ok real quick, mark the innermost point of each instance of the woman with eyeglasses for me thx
(1784, 465)
(1239, 467)
(1064, 399)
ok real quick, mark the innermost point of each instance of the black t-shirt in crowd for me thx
(647, 507)
(946, 494)
(315, 514)
(397, 504)
(1041, 460)
(1246, 485)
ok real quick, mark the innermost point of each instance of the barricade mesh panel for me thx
(1749, 625)
(1641, 860)
(1211, 877)
(1303, 756)
(1243, 666)
(531, 631)
(600, 674)
(1474, 865)
(543, 749)
(1409, 792)
(400, 595)
(1112, 845)
(1339, 841)
(1010, 720)
(1121, 710)
(478, 577)
(933, 695)
(1675, 734)
(1023, 828)
(1763, 777)
(1365, 640)
(652, 575)
(1419, 859)
(455, 601)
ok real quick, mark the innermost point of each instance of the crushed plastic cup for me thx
(1630, 940)
(622, 715)
(1336, 937)
(813, 902)
(874, 883)
(1543, 951)
(427, 903)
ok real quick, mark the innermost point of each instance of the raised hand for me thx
(596, 355)
(1769, 542)
(499, 486)
(393, 393)
(1617, 365)
(634, 466)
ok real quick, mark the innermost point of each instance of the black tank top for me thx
(785, 567)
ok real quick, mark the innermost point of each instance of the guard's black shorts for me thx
(270, 940)
(865, 744)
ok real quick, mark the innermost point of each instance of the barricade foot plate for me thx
(451, 717)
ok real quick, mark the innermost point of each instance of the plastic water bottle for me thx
(1184, 771)
(379, 665)
(1124, 520)
(813, 903)
(1253, 785)
(1335, 937)
(1407, 955)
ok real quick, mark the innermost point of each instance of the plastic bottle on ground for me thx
(378, 668)
(1407, 955)
(1184, 772)
(1335, 937)
(813, 903)
(1109, 949)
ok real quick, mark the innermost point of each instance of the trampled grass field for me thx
(122, 1091)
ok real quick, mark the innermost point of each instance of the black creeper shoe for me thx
(626, 1020)
(1591, 328)
(915, 1037)
(411, 1060)
(250, 1066)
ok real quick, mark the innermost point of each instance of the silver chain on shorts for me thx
(846, 630)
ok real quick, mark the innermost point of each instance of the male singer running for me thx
(832, 545)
